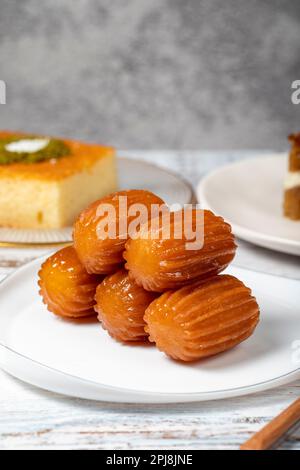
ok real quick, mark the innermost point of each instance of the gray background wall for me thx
(152, 73)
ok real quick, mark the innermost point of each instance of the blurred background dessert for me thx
(292, 181)
(46, 182)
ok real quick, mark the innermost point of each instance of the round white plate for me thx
(81, 360)
(132, 174)
(249, 195)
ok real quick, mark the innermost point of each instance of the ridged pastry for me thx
(67, 289)
(121, 306)
(104, 255)
(166, 263)
(203, 319)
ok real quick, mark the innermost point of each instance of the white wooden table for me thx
(34, 419)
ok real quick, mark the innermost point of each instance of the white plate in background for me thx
(132, 174)
(249, 195)
(80, 359)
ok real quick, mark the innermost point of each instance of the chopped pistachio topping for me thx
(31, 149)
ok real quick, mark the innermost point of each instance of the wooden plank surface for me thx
(34, 419)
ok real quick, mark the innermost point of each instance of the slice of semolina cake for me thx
(292, 181)
(46, 182)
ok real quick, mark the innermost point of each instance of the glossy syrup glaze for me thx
(121, 306)
(104, 255)
(65, 286)
(294, 157)
(82, 157)
(203, 319)
(162, 264)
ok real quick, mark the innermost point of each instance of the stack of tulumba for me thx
(146, 286)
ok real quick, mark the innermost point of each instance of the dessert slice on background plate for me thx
(248, 194)
(102, 171)
(45, 182)
(292, 181)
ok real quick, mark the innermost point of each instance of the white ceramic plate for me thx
(81, 360)
(133, 174)
(249, 195)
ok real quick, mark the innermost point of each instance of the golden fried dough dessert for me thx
(202, 319)
(158, 262)
(67, 289)
(121, 306)
(101, 231)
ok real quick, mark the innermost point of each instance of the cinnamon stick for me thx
(274, 430)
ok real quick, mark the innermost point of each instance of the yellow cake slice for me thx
(292, 181)
(47, 182)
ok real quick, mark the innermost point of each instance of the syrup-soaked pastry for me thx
(101, 231)
(46, 182)
(292, 181)
(121, 306)
(203, 319)
(163, 259)
(65, 286)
